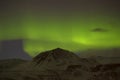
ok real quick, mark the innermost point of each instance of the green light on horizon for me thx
(50, 32)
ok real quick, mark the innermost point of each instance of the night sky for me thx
(70, 24)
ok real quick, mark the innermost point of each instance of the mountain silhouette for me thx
(56, 59)
(10, 63)
(60, 64)
(103, 56)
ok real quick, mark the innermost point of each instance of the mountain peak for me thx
(56, 58)
(58, 49)
(58, 52)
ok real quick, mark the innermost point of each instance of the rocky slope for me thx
(60, 64)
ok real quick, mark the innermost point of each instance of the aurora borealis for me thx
(51, 28)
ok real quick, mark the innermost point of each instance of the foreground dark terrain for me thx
(58, 64)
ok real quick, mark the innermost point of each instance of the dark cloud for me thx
(99, 30)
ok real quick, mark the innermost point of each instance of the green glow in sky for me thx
(71, 32)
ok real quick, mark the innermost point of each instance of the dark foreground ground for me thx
(58, 64)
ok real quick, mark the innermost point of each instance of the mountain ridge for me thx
(60, 64)
(56, 58)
